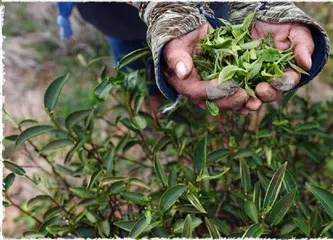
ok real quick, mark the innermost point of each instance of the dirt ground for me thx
(27, 74)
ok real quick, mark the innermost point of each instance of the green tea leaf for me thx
(8, 181)
(160, 172)
(200, 156)
(212, 108)
(251, 45)
(248, 21)
(274, 187)
(297, 68)
(137, 198)
(31, 133)
(270, 55)
(60, 143)
(170, 196)
(111, 180)
(195, 202)
(14, 167)
(281, 208)
(51, 213)
(187, 229)
(76, 117)
(250, 91)
(33, 234)
(290, 185)
(125, 225)
(104, 226)
(254, 231)
(251, 211)
(102, 90)
(28, 122)
(39, 198)
(139, 122)
(302, 225)
(133, 56)
(172, 178)
(139, 227)
(179, 225)
(52, 93)
(325, 198)
(245, 175)
(213, 232)
(228, 72)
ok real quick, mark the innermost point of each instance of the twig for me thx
(221, 204)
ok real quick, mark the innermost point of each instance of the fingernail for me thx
(309, 62)
(181, 70)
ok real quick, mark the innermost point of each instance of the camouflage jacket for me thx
(169, 20)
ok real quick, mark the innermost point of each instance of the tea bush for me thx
(126, 173)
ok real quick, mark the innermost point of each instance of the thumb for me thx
(178, 58)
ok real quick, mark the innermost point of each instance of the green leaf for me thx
(60, 143)
(251, 211)
(187, 229)
(161, 143)
(277, 71)
(108, 160)
(325, 198)
(217, 155)
(98, 59)
(139, 183)
(170, 196)
(138, 122)
(206, 176)
(104, 226)
(195, 202)
(302, 225)
(255, 70)
(11, 138)
(125, 225)
(245, 175)
(139, 227)
(297, 68)
(54, 228)
(14, 168)
(172, 178)
(179, 225)
(52, 93)
(213, 232)
(138, 103)
(200, 156)
(160, 171)
(28, 122)
(91, 216)
(51, 213)
(274, 187)
(281, 208)
(80, 191)
(33, 234)
(290, 185)
(94, 178)
(248, 21)
(39, 198)
(133, 56)
(270, 55)
(254, 231)
(32, 132)
(111, 180)
(250, 45)
(257, 195)
(76, 117)
(102, 90)
(269, 40)
(228, 72)
(8, 181)
(250, 91)
(137, 198)
(212, 108)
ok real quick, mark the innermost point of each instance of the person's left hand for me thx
(303, 50)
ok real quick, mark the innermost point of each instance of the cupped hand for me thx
(182, 75)
(303, 49)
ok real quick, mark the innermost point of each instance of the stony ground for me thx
(29, 67)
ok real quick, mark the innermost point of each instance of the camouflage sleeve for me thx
(287, 12)
(166, 21)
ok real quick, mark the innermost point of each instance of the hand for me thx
(303, 49)
(185, 79)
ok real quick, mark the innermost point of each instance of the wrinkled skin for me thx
(183, 76)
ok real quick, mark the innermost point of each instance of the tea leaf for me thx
(8, 181)
(254, 231)
(31, 133)
(251, 211)
(38, 199)
(213, 232)
(228, 72)
(302, 225)
(187, 229)
(297, 68)
(160, 172)
(133, 56)
(60, 143)
(251, 45)
(14, 168)
(52, 93)
(33, 234)
(281, 208)
(102, 90)
(139, 227)
(212, 108)
(139, 122)
(170, 196)
(248, 21)
(200, 156)
(274, 187)
(245, 175)
(325, 198)
(270, 55)
(195, 202)
(76, 117)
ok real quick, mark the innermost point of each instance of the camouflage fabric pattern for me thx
(169, 20)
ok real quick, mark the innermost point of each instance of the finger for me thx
(253, 104)
(288, 81)
(178, 58)
(267, 93)
(304, 46)
(233, 102)
(244, 111)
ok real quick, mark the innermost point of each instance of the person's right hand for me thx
(184, 78)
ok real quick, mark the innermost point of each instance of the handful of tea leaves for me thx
(230, 53)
